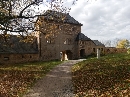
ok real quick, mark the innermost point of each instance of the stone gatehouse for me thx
(55, 37)
(62, 38)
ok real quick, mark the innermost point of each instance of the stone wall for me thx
(114, 50)
(17, 58)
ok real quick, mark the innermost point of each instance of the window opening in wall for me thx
(58, 26)
(65, 42)
(6, 58)
(72, 29)
(22, 56)
(82, 42)
(94, 50)
(50, 40)
(101, 49)
(30, 56)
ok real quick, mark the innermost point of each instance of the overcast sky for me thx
(103, 19)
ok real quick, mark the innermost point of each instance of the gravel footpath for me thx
(57, 83)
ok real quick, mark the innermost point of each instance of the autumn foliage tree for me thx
(16, 16)
(123, 43)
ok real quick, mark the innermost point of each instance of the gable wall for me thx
(90, 47)
(87, 45)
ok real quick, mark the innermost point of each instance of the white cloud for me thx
(103, 19)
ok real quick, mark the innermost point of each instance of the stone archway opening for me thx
(69, 54)
(82, 53)
(66, 55)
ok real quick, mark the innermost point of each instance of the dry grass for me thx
(106, 77)
(16, 79)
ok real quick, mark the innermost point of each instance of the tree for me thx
(123, 43)
(18, 16)
(111, 43)
(14, 14)
(107, 43)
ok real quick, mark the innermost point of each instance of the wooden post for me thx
(98, 53)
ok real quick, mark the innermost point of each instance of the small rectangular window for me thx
(82, 42)
(30, 56)
(6, 58)
(58, 26)
(65, 42)
(101, 49)
(50, 40)
(72, 29)
(22, 56)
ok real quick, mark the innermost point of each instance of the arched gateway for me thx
(66, 55)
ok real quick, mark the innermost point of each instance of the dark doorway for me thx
(69, 54)
(82, 53)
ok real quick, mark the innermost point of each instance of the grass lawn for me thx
(108, 76)
(16, 79)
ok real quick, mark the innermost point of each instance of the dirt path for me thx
(57, 83)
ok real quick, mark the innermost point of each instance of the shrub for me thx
(128, 51)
